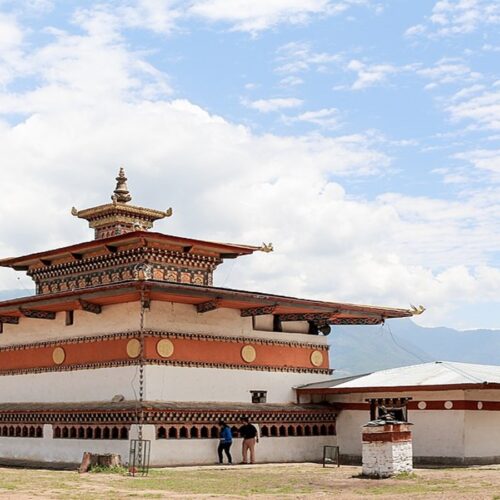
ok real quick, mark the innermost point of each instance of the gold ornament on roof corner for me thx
(266, 247)
(169, 212)
(417, 311)
(74, 211)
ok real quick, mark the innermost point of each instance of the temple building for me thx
(127, 337)
(454, 409)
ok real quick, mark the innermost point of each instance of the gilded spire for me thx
(121, 193)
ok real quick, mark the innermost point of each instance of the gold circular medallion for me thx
(248, 353)
(316, 358)
(58, 355)
(133, 348)
(165, 348)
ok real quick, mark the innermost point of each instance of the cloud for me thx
(369, 75)
(291, 81)
(276, 104)
(11, 40)
(446, 71)
(483, 159)
(326, 118)
(258, 15)
(159, 16)
(458, 17)
(298, 57)
(478, 105)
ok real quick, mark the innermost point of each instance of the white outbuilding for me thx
(455, 409)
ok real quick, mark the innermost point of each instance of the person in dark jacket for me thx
(250, 436)
(226, 440)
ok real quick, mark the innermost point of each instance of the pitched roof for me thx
(437, 375)
(129, 291)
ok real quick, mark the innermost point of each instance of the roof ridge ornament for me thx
(417, 310)
(121, 193)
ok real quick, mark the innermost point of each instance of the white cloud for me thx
(369, 75)
(291, 81)
(11, 40)
(257, 15)
(478, 105)
(326, 118)
(483, 159)
(275, 104)
(458, 17)
(109, 18)
(448, 70)
(298, 57)
(418, 29)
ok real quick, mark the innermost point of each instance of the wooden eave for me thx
(119, 208)
(130, 291)
(128, 240)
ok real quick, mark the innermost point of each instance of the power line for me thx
(407, 350)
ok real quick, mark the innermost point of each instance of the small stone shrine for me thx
(387, 448)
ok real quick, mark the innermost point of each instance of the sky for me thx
(360, 137)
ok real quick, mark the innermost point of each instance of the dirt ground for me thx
(298, 481)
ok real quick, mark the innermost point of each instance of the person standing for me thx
(250, 436)
(225, 442)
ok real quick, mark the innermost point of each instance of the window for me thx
(259, 396)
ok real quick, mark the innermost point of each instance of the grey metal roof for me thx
(437, 373)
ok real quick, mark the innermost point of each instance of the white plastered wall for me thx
(113, 318)
(163, 452)
(204, 451)
(482, 427)
(436, 433)
(183, 318)
(70, 386)
(167, 316)
(175, 383)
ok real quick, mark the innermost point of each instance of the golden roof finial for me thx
(121, 193)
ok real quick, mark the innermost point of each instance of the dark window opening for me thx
(69, 317)
(259, 396)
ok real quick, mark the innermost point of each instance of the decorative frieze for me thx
(91, 432)
(24, 431)
(118, 266)
(177, 349)
(83, 422)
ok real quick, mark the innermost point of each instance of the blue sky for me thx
(361, 137)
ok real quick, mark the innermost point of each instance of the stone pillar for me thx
(387, 448)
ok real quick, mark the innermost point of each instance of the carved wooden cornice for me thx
(257, 311)
(208, 306)
(37, 314)
(89, 307)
